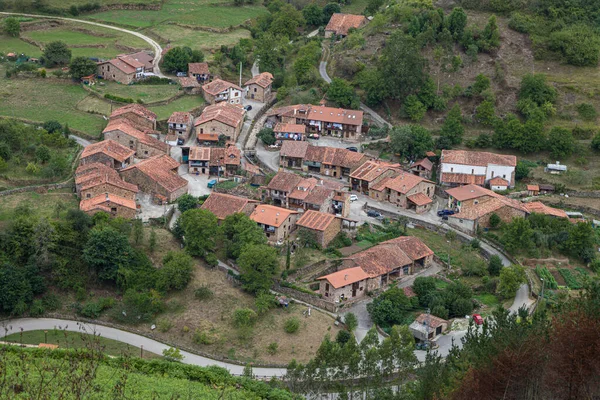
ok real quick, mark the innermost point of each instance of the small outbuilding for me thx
(428, 327)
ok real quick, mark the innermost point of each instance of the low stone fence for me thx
(594, 194)
(251, 138)
(313, 271)
(51, 186)
(314, 300)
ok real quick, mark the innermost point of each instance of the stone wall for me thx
(107, 188)
(219, 128)
(138, 122)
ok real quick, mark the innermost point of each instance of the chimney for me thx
(276, 220)
(346, 277)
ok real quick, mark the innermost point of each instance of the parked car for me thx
(180, 141)
(353, 197)
(478, 319)
(422, 346)
(248, 108)
(313, 136)
(181, 74)
(441, 213)
(211, 183)
(375, 214)
(352, 148)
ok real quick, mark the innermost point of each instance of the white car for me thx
(353, 197)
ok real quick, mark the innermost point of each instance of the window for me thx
(476, 202)
(405, 270)
(146, 152)
(504, 176)
(254, 90)
(201, 130)
(88, 195)
(472, 171)
(452, 169)
(460, 220)
(113, 210)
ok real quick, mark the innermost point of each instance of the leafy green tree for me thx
(313, 14)
(511, 279)
(270, 51)
(390, 308)
(172, 354)
(579, 45)
(15, 288)
(82, 66)
(561, 142)
(522, 170)
(238, 230)
(517, 234)
(482, 83)
(581, 242)
(197, 56)
(374, 84)
(12, 27)
(485, 113)
(52, 126)
(414, 108)
(264, 302)
(351, 321)
(56, 54)
(42, 153)
(457, 21)
(244, 317)
(402, 65)
(176, 271)
(596, 142)
(490, 37)
(424, 287)
(304, 69)
(494, 265)
(343, 94)
(267, 136)
(495, 220)
(286, 22)
(535, 88)
(258, 265)
(452, 128)
(187, 202)
(107, 251)
(200, 228)
(373, 6)
(329, 10)
(176, 60)
(411, 141)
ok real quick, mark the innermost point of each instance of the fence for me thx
(314, 300)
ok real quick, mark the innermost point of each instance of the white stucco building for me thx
(461, 167)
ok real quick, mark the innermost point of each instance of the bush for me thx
(37, 308)
(495, 220)
(495, 265)
(272, 348)
(583, 133)
(291, 325)
(244, 317)
(51, 302)
(202, 337)
(596, 142)
(119, 98)
(440, 311)
(164, 325)
(474, 267)
(351, 321)
(203, 293)
(267, 136)
(343, 337)
(587, 111)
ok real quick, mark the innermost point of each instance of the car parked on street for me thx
(353, 197)
(180, 141)
(248, 108)
(375, 214)
(352, 148)
(442, 213)
(478, 319)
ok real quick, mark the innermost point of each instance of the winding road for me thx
(155, 46)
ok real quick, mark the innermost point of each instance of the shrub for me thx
(351, 321)
(203, 293)
(495, 220)
(582, 133)
(272, 348)
(495, 265)
(244, 317)
(291, 325)
(202, 337)
(119, 98)
(450, 235)
(172, 354)
(596, 142)
(37, 308)
(51, 302)
(587, 111)
(440, 311)
(267, 136)
(475, 244)
(343, 337)
(164, 325)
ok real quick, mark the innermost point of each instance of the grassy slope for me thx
(202, 40)
(148, 93)
(42, 205)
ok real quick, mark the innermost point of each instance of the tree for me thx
(176, 271)
(517, 234)
(15, 288)
(56, 54)
(402, 64)
(82, 66)
(52, 126)
(138, 231)
(152, 241)
(522, 170)
(482, 83)
(238, 230)
(535, 88)
(172, 354)
(258, 264)
(286, 22)
(343, 94)
(42, 153)
(373, 82)
(267, 136)
(200, 228)
(453, 129)
(373, 6)
(196, 56)
(390, 308)
(485, 113)
(494, 265)
(411, 141)
(581, 242)
(107, 251)
(176, 60)
(457, 21)
(313, 14)
(414, 108)
(596, 142)
(511, 279)
(351, 321)
(561, 142)
(12, 27)
(490, 37)
(329, 10)
(423, 288)
(187, 202)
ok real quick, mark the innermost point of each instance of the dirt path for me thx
(155, 46)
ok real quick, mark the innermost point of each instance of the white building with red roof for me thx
(340, 24)
(219, 90)
(462, 167)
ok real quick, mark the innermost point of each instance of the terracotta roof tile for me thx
(189, 82)
(464, 179)
(198, 68)
(469, 192)
(144, 58)
(425, 163)
(318, 195)
(480, 158)
(284, 181)
(340, 24)
(403, 182)
(207, 137)
(289, 128)
(419, 199)
(497, 181)
(294, 148)
(126, 128)
(316, 220)
(264, 80)
(136, 109)
(335, 115)
(229, 114)
(104, 200)
(431, 320)
(411, 245)
(270, 215)
(160, 169)
(303, 188)
(476, 211)
(345, 277)
(109, 147)
(230, 155)
(540, 208)
(179, 117)
(219, 85)
(223, 205)
(372, 170)
(534, 188)
(199, 153)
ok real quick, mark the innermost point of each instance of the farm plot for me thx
(16, 45)
(146, 93)
(199, 40)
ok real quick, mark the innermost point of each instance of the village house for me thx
(289, 131)
(533, 190)
(220, 90)
(276, 222)
(143, 57)
(321, 120)
(222, 205)
(179, 125)
(381, 266)
(122, 69)
(259, 87)
(221, 119)
(461, 167)
(405, 190)
(371, 173)
(158, 177)
(475, 205)
(340, 203)
(292, 153)
(422, 168)
(94, 179)
(540, 208)
(292, 191)
(199, 71)
(144, 145)
(428, 327)
(328, 161)
(190, 85)
(109, 153)
(112, 204)
(215, 161)
(498, 184)
(323, 226)
(138, 116)
(340, 24)
(207, 139)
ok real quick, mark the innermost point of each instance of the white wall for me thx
(466, 224)
(500, 170)
(463, 169)
(496, 188)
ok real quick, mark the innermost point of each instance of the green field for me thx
(42, 205)
(186, 103)
(201, 40)
(147, 93)
(199, 13)
(15, 45)
(77, 340)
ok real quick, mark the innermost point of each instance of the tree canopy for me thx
(56, 54)
(411, 141)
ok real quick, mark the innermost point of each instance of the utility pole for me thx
(240, 74)
(427, 324)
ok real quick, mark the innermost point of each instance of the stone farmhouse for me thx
(370, 173)
(109, 153)
(222, 205)
(328, 161)
(422, 168)
(221, 119)
(190, 85)
(179, 125)
(215, 161)
(112, 204)
(340, 24)
(219, 90)
(157, 176)
(475, 205)
(123, 69)
(540, 208)
(375, 268)
(461, 167)
(276, 222)
(259, 87)
(324, 226)
(199, 71)
(321, 120)
(428, 327)
(289, 132)
(138, 116)
(142, 144)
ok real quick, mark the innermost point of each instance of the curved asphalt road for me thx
(155, 46)
(153, 346)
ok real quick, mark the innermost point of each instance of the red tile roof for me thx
(284, 181)
(318, 195)
(198, 68)
(270, 215)
(293, 148)
(136, 109)
(189, 82)
(207, 137)
(219, 85)
(109, 147)
(160, 169)
(142, 57)
(469, 192)
(303, 188)
(480, 158)
(497, 181)
(316, 220)
(289, 128)
(126, 128)
(425, 163)
(94, 174)
(464, 179)
(533, 188)
(476, 211)
(230, 155)
(223, 205)
(340, 24)
(372, 170)
(228, 114)
(179, 117)
(335, 115)
(402, 182)
(103, 200)
(199, 154)
(264, 80)
(345, 277)
(411, 245)
(540, 208)
(419, 199)
(431, 320)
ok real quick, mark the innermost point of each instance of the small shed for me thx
(498, 184)
(533, 190)
(556, 169)
(544, 189)
(428, 327)
(89, 80)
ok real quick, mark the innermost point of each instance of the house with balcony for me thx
(214, 161)
(221, 119)
(222, 91)
(199, 71)
(276, 222)
(179, 125)
(461, 167)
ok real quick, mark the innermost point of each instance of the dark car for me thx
(441, 213)
(248, 108)
(180, 141)
(354, 149)
(374, 214)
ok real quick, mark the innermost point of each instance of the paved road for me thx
(153, 346)
(255, 70)
(269, 158)
(521, 299)
(83, 142)
(155, 46)
(313, 33)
